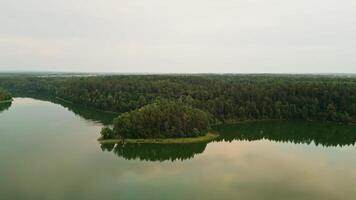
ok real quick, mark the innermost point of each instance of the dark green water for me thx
(49, 151)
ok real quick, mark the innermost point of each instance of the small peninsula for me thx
(161, 122)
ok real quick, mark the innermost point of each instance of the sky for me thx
(178, 36)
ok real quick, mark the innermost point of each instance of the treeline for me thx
(4, 95)
(226, 97)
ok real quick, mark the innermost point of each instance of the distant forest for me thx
(228, 98)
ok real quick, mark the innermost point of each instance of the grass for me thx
(206, 138)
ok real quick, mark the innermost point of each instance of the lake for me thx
(49, 150)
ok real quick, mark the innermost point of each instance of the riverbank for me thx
(206, 138)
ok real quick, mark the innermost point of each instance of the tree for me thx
(106, 133)
(331, 111)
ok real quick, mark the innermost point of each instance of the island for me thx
(161, 122)
(5, 96)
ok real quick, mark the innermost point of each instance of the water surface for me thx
(49, 151)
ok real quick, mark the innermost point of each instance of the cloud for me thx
(178, 36)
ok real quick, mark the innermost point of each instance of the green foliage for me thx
(226, 97)
(4, 95)
(162, 119)
(106, 133)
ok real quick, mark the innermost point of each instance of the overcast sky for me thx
(184, 36)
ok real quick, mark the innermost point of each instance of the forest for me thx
(162, 119)
(4, 95)
(228, 98)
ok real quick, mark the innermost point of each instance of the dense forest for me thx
(162, 119)
(4, 95)
(228, 98)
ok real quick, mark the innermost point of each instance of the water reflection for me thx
(88, 114)
(326, 135)
(155, 152)
(5, 106)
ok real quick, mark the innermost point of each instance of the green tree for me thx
(106, 133)
(162, 119)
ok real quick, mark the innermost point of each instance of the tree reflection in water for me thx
(323, 134)
(89, 114)
(320, 134)
(155, 152)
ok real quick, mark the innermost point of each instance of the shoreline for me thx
(210, 136)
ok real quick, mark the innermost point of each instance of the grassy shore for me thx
(206, 138)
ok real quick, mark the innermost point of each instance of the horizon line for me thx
(170, 73)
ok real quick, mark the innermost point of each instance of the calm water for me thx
(49, 151)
